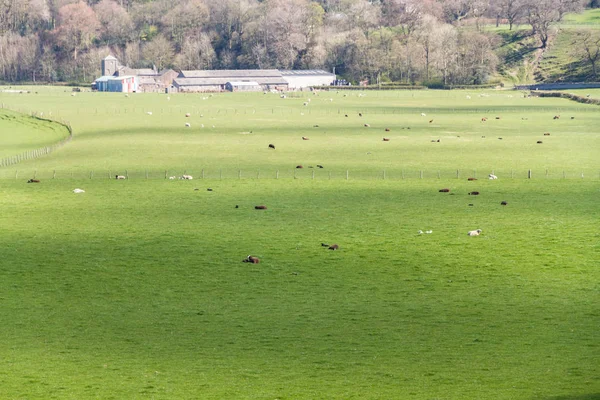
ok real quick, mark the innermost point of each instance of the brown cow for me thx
(471, 179)
(539, 142)
(272, 146)
(334, 247)
(445, 190)
(260, 207)
(299, 166)
(385, 139)
(503, 203)
(305, 138)
(251, 259)
(33, 181)
(546, 134)
(387, 129)
(474, 193)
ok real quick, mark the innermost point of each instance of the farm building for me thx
(243, 87)
(122, 84)
(216, 80)
(298, 79)
(147, 79)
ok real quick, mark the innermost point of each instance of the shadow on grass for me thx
(591, 396)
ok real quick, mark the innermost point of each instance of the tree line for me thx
(408, 41)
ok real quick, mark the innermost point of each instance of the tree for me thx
(541, 15)
(587, 44)
(196, 53)
(185, 19)
(116, 25)
(159, 52)
(77, 26)
(512, 10)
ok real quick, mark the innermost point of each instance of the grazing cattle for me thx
(346, 115)
(251, 259)
(187, 177)
(499, 138)
(430, 121)
(503, 203)
(78, 191)
(539, 142)
(471, 179)
(319, 166)
(119, 177)
(304, 138)
(572, 117)
(360, 114)
(33, 181)
(445, 190)
(299, 166)
(483, 137)
(483, 119)
(497, 117)
(470, 205)
(546, 134)
(492, 176)
(474, 233)
(209, 190)
(556, 117)
(272, 146)
(260, 207)
(387, 129)
(385, 139)
(237, 206)
(333, 247)
(474, 193)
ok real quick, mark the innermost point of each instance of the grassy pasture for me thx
(114, 132)
(136, 289)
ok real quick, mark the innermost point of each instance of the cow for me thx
(299, 166)
(251, 259)
(471, 179)
(546, 134)
(305, 138)
(445, 190)
(503, 203)
(387, 129)
(187, 177)
(272, 146)
(334, 247)
(539, 142)
(385, 139)
(260, 207)
(33, 181)
(319, 166)
(474, 193)
(556, 117)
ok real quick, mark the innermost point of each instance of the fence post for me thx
(457, 174)
(438, 174)
(34, 174)
(313, 174)
(146, 174)
(240, 174)
(384, 174)
(277, 174)
(546, 172)
(126, 174)
(108, 174)
(202, 173)
(564, 175)
(54, 175)
(402, 174)
(421, 174)
(258, 173)
(91, 174)
(16, 174)
(220, 174)
(346, 174)
(529, 174)
(165, 174)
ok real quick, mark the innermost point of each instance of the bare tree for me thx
(587, 44)
(159, 52)
(77, 26)
(116, 25)
(541, 15)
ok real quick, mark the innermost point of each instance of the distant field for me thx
(136, 288)
(115, 133)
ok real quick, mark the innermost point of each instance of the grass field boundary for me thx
(568, 96)
(39, 152)
(306, 174)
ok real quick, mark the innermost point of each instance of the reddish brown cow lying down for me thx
(251, 259)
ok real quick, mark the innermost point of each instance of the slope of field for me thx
(20, 133)
(135, 289)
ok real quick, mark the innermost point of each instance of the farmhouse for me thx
(119, 78)
(298, 79)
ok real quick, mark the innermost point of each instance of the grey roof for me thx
(230, 74)
(222, 81)
(306, 72)
(239, 83)
(145, 71)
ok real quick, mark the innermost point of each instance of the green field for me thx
(135, 289)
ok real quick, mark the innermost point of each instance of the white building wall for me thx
(298, 82)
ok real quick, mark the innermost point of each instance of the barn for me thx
(216, 80)
(123, 84)
(298, 79)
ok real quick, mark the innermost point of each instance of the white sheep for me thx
(423, 115)
(187, 125)
(188, 115)
(186, 177)
(492, 176)
(474, 233)
(172, 178)
(119, 177)
(149, 113)
(78, 191)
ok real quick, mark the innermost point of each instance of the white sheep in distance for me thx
(423, 115)
(187, 125)
(172, 178)
(492, 176)
(78, 190)
(474, 233)
(187, 177)
(119, 177)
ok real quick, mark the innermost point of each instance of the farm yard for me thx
(136, 288)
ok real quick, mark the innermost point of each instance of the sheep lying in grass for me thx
(251, 259)
(78, 191)
(492, 176)
(474, 233)
(119, 177)
(187, 177)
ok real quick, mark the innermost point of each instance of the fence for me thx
(42, 151)
(213, 174)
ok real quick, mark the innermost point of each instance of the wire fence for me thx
(39, 152)
(213, 174)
